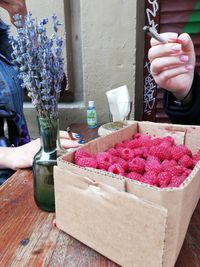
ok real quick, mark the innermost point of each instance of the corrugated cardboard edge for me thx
(180, 203)
(164, 197)
(88, 210)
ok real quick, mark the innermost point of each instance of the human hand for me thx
(22, 156)
(172, 64)
(14, 7)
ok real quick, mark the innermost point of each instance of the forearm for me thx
(6, 158)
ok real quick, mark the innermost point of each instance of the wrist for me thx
(186, 100)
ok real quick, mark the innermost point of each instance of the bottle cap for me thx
(91, 104)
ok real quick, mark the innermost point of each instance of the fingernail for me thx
(77, 135)
(81, 141)
(176, 47)
(183, 58)
(189, 67)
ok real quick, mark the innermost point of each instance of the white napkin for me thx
(119, 103)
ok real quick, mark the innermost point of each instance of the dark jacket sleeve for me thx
(189, 114)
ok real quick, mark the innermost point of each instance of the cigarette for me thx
(153, 33)
(70, 134)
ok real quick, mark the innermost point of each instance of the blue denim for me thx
(11, 92)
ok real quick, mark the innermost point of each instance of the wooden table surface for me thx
(29, 237)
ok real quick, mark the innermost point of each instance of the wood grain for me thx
(29, 237)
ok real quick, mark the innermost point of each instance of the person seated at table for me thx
(11, 99)
(173, 68)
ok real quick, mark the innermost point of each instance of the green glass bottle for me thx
(43, 164)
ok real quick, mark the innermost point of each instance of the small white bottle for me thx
(91, 115)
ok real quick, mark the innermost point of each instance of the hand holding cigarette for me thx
(172, 59)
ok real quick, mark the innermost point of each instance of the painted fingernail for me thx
(183, 58)
(77, 135)
(176, 47)
(189, 67)
(81, 141)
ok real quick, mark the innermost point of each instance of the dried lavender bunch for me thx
(40, 63)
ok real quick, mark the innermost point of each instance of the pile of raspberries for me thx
(154, 161)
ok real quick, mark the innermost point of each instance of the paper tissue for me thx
(120, 105)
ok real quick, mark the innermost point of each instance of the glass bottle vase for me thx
(43, 163)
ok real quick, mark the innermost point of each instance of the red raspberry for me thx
(140, 152)
(80, 153)
(169, 140)
(112, 151)
(134, 176)
(153, 164)
(135, 143)
(87, 162)
(145, 140)
(121, 162)
(176, 181)
(186, 161)
(116, 169)
(161, 152)
(151, 178)
(177, 170)
(119, 145)
(127, 154)
(104, 160)
(164, 179)
(168, 164)
(156, 141)
(136, 165)
(179, 151)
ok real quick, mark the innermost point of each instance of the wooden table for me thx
(29, 237)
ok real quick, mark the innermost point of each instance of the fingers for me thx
(164, 50)
(66, 143)
(168, 74)
(65, 134)
(159, 65)
(169, 36)
(186, 42)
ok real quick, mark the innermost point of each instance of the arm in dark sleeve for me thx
(189, 114)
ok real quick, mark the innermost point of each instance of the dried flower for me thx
(40, 63)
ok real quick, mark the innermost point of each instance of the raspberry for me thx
(127, 153)
(186, 161)
(112, 151)
(164, 179)
(116, 169)
(169, 140)
(145, 140)
(176, 181)
(136, 165)
(87, 162)
(140, 152)
(179, 151)
(151, 178)
(177, 170)
(168, 164)
(121, 162)
(104, 160)
(153, 164)
(80, 153)
(119, 145)
(161, 152)
(135, 143)
(134, 176)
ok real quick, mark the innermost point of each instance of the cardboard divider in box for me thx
(129, 222)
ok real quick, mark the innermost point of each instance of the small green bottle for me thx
(91, 115)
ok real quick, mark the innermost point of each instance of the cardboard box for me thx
(131, 223)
